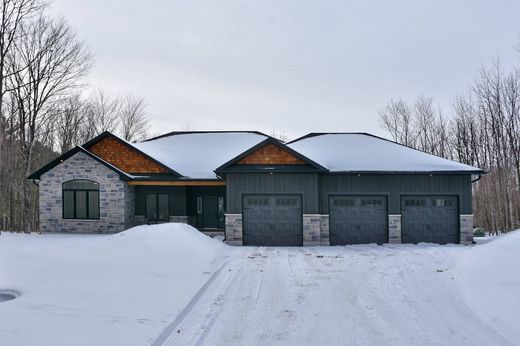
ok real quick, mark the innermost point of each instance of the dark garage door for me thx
(429, 219)
(272, 220)
(358, 220)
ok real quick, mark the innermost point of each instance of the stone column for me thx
(311, 229)
(394, 229)
(324, 230)
(466, 229)
(234, 229)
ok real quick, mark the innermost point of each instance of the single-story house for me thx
(320, 189)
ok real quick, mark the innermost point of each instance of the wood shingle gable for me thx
(124, 156)
(271, 154)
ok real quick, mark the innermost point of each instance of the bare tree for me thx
(13, 13)
(133, 120)
(46, 67)
(396, 118)
(102, 114)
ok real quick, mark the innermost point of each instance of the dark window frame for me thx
(156, 194)
(87, 200)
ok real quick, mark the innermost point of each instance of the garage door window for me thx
(372, 203)
(442, 202)
(344, 202)
(415, 203)
(257, 201)
(286, 201)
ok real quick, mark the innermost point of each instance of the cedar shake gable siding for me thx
(271, 154)
(125, 157)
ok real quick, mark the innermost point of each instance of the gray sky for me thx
(289, 66)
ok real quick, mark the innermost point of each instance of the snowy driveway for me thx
(358, 295)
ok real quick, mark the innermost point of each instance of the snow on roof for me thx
(196, 154)
(359, 152)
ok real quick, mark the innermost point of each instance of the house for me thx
(320, 189)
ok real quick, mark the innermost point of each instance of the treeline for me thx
(481, 129)
(46, 107)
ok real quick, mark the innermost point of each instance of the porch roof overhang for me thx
(181, 182)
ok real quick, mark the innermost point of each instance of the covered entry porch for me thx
(198, 203)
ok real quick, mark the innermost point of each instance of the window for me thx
(81, 199)
(199, 205)
(415, 203)
(442, 202)
(371, 203)
(158, 207)
(344, 202)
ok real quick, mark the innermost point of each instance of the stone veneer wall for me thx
(466, 229)
(324, 230)
(234, 229)
(394, 229)
(311, 229)
(116, 199)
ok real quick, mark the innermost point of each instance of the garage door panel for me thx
(431, 219)
(358, 220)
(272, 220)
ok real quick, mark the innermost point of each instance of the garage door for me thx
(358, 220)
(272, 220)
(429, 219)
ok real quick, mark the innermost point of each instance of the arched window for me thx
(81, 199)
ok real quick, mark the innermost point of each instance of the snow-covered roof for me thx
(360, 152)
(196, 154)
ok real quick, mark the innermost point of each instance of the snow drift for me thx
(101, 289)
(490, 279)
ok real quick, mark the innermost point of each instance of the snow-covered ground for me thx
(162, 285)
(120, 289)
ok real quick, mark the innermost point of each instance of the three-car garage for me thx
(277, 220)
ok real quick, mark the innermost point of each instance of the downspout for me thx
(479, 177)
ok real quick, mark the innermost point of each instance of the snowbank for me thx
(101, 289)
(490, 279)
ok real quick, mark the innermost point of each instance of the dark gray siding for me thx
(177, 198)
(394, 186)
(278, 183)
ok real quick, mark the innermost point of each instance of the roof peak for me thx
(176, 133)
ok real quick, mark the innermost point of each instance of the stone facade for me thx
(311, 229)
(466, 229)
(394, 229)
(116, 198)
(234, 229)
(324, 230)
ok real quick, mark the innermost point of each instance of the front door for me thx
(210, 212)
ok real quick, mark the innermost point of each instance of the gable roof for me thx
(362, 153)
(106, 134)
(60, 159)
(196, 154)
(231, 165)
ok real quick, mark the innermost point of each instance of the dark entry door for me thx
(272, 220)
(358, 220)
(210, 212)
(429, 219)
(157, 207)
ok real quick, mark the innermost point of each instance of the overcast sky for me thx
(288, 66)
